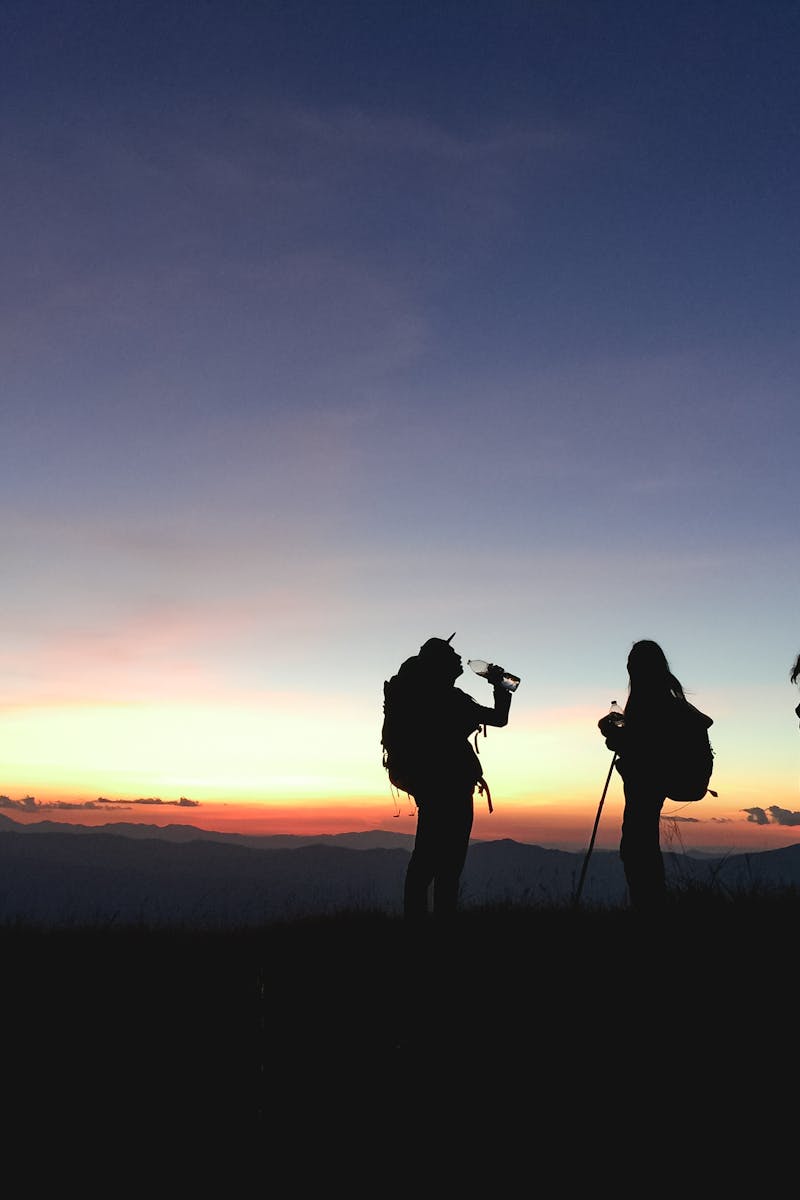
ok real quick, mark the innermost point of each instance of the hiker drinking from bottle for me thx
(439, 767)
(643, 742)
(795, 677)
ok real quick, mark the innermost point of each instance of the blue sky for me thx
(326, 328)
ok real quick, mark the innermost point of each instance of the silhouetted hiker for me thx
(795, 676)
(643, 745)
(443, 770)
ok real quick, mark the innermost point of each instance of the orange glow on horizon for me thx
(551, 823)
(310, 766)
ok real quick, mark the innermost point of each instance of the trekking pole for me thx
(585, 866)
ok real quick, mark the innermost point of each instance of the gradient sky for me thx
(329, 327)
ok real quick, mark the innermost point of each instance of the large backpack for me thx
(398, 750)
(409, 740)
(691, 758)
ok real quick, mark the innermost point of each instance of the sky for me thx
(326, 328)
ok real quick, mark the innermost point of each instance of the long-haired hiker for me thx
(644, 744)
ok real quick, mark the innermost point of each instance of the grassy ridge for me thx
(248, 1024)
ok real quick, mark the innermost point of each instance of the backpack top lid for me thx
(438, 657)
(437, 647)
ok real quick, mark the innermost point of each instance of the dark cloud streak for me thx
(30, 804)
(774, 815)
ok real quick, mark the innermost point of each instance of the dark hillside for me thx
(554, 1007)
(64, 880)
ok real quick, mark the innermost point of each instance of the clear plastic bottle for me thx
(481, 667)
(616, 714)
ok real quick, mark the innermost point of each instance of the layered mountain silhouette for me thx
(129, 874)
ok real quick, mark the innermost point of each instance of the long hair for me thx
(650, 675)
(795, 675)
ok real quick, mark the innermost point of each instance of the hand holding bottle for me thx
(611, 722)
(496, 676)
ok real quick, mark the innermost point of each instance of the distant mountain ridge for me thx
(371, 840)
(66, 876)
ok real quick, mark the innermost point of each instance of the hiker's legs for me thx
(453, 844)
(640, 846)
(422, 864)
(444, 825)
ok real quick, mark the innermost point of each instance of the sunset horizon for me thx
(704, 827)
(330, 329)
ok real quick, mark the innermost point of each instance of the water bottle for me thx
(616, 715)
(480, 667)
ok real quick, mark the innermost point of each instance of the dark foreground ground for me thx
(551, 1028)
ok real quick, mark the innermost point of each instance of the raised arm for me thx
(498, 714)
